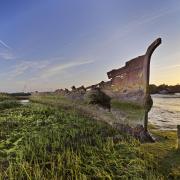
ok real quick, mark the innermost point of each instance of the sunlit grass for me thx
(165, 152)
(57, 141)
(40, 142)
(132, 111)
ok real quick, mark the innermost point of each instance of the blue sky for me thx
(50, 44)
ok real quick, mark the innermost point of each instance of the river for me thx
(165, 113)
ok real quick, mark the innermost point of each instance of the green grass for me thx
(6, 101)
(53, 140)
(42, 142)
(165, 152)
(125, 105)
(8, 104)
(4, 96)
(81, 107)
(133, 112)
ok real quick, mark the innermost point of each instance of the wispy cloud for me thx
(156, 16)
(39, 70)
(23, 67)
(7, 55)
(4, 44)
(58, 68)
(135, 24)
(6, 51)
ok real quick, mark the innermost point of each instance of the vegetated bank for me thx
(52, 142)
(164, 88)
(20, 95)
(7, 101)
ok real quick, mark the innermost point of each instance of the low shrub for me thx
(9, 104)
(96, 96)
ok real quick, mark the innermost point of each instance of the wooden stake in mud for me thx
(146, 121)
(178, 136)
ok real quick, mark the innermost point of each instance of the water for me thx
(165, 112)
(24, 101)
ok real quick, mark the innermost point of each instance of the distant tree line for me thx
(20, 94)
(164, 88)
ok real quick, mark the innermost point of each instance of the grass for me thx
(53, 140)
(126, 106)
(4, 96)
(133, 113)
(42, 142)
(129, 112)
(81, 107)
(165, 152)
(8, 104)
(6, 101)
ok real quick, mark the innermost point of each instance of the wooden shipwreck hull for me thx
(126, 84)
(131, 82)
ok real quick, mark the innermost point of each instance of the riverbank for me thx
(7, 101)
(163, 152)
(52, 142)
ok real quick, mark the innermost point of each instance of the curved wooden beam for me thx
(148, 55)
(147, 59)
(153, 46)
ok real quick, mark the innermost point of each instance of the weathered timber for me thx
(131, 82)
(178, 137)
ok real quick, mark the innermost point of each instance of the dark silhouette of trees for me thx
(154, 89)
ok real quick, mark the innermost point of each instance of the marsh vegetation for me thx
(41, 141)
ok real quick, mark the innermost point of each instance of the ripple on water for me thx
(165, 112)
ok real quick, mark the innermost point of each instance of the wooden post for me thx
(146, 121)
(178, 137)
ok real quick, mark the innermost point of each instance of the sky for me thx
(50, 44)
